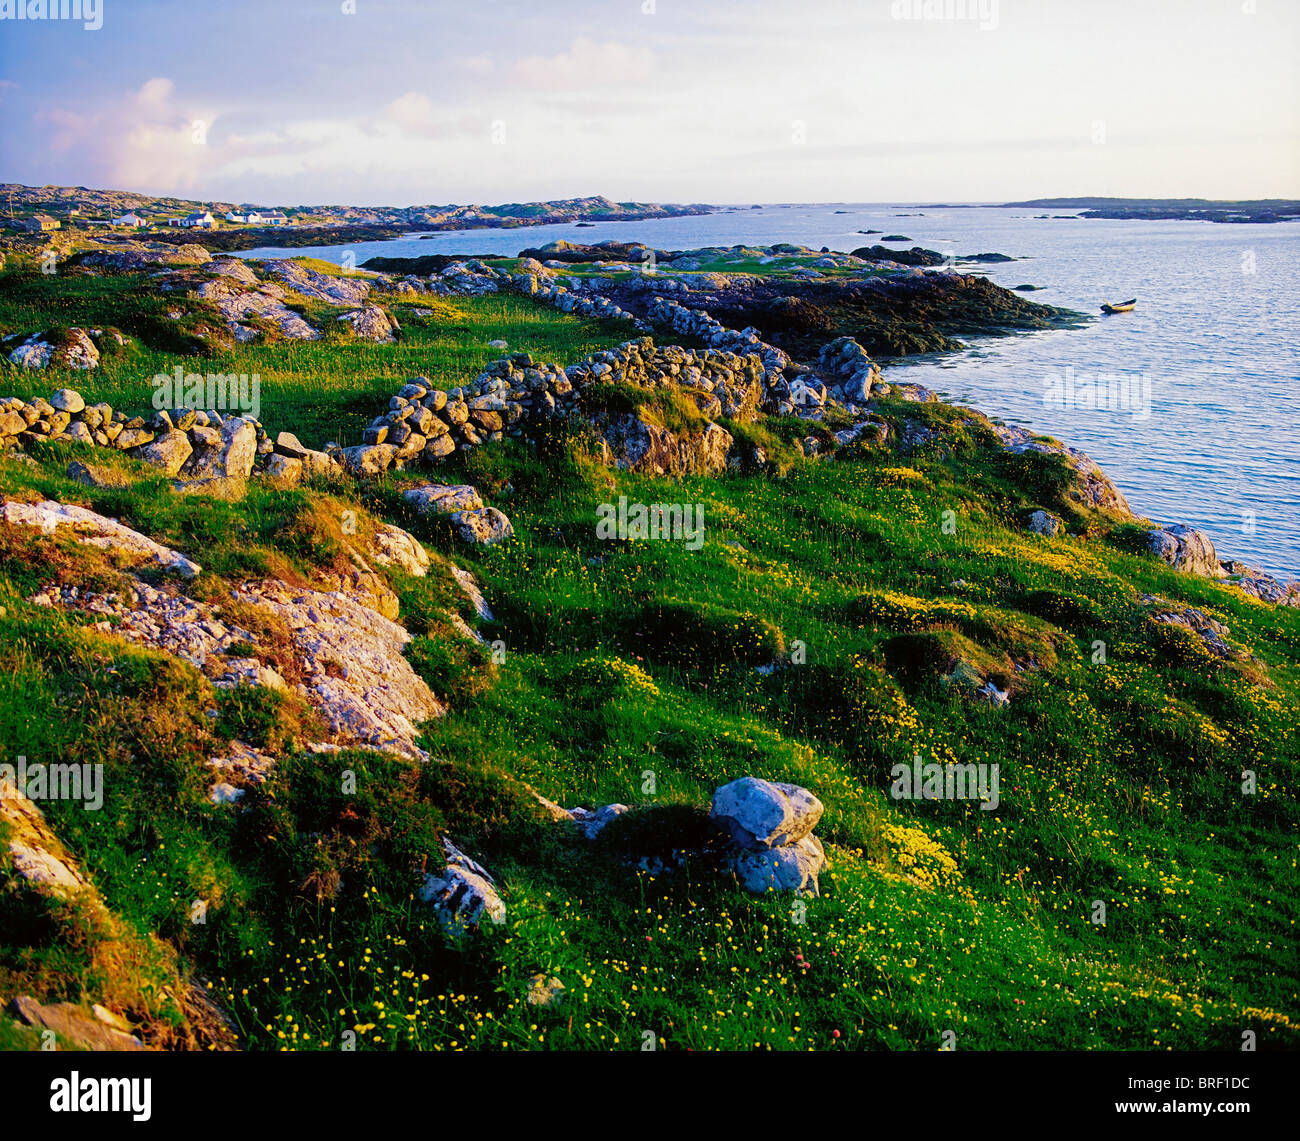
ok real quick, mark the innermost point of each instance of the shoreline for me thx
(972, 344)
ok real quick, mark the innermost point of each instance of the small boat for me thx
(1122, 307)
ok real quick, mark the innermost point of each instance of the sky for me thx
(403, 102)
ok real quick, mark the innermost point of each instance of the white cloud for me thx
(146, 138)
(585, 65)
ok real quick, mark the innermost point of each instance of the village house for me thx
(273, 218)
(200, 220)
(37, 223)
(130, 219)
(235, 216)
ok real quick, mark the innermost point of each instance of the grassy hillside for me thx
(629, 675)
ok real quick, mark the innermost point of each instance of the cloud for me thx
(585, 65)
(412, 112)
(145, 138)
(416, 116)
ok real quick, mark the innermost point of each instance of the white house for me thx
(200, 220)
(233, 216)
(274, 218)
(253, 218)
(130, 219)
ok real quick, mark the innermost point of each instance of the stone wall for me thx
(188, 444)
(425, 424)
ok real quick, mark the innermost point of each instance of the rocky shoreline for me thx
(738, 374)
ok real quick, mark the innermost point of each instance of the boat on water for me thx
(1122, 307)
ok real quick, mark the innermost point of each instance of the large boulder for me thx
(222, 453)
(72, 348)
(635, 442)
(1045, 523)
(443, 498)
(1186, 550)
(318, 463)
(287, 444)
(169, 451)
(391, 546)
(282, 471)
(762, 814)
(791, 867)
(368, 459)
(462, 894)
(371, 324)
(68, 400)
(485, 526)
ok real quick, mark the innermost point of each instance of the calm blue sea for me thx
(1213, 342)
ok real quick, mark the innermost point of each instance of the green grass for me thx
(629, 676)
(321, 390)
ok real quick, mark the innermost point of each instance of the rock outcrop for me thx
(370, 323)
(39, 859)
(333, 289)
(1092, 488)
(142, 255)
(1262, 586)
(69, 348)
(463, 894)
(73, 1028)
(636, 442)
(1186, 550)
(95, 530)
(1045, 523)
(348, 654)
(1212, 633)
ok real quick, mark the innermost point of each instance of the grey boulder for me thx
(792, 867)
(762, 814)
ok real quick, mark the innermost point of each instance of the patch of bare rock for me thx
(348, 653)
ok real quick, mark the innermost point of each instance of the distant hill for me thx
(66, 202)
(1174, 209)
